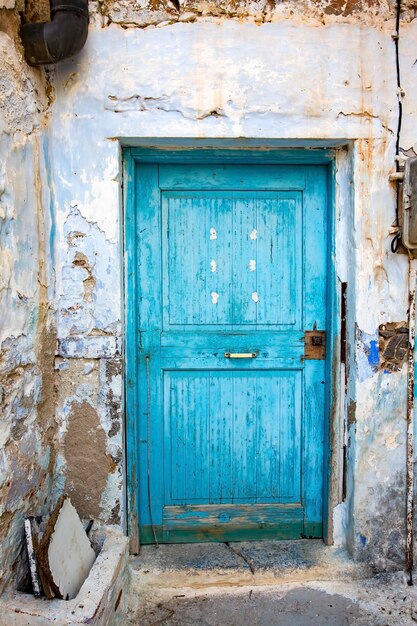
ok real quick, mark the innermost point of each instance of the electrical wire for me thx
(399, 88)
(396, 37)
(411, 322)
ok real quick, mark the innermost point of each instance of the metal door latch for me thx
(314, 345)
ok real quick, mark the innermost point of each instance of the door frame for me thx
(230, 154)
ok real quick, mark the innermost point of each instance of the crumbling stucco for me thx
(20, 93)
(145, 13)
(89, 415)
(209, 86)
(260, 71)
(87, 465)
(281, 90)
(27, 336)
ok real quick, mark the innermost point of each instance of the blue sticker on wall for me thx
(373, 353)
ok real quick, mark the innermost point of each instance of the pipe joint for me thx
(72, 7)
(63, 37)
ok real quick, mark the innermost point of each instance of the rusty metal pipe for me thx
(65, 35)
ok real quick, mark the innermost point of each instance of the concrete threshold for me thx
(270, 583)
(204, 565)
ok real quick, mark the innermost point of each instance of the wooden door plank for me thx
(221, 440)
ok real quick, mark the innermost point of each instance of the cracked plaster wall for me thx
(262, 71)
(145, 13)
(201, 70)
(27, 336)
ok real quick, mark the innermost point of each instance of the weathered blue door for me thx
(231, 272)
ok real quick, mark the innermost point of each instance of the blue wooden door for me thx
(231, 272)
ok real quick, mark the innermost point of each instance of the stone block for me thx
(101, 600)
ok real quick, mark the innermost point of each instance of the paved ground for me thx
(298, 583)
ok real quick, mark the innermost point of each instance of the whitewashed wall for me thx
(27, 338)
(301, 72)
(221, 78)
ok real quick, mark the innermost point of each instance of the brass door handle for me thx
(240, 355)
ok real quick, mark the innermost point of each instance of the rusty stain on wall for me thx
(89, 414)
(348, 7)
(46, 341)
(393, 345)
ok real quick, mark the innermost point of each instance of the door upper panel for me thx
(231, 248)
(232, 260)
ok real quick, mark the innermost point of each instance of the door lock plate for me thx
(314, 345)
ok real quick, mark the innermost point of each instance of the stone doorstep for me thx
(191, 582)
(100, 602)
(204, 566)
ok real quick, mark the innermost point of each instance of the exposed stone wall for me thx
(27, 336)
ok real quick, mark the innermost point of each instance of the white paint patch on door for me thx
(213, 265)
(252, 265)
(214, 297)
(255, 296)
(253, 235)
(213, 233)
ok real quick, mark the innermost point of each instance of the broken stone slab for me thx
(101, 601)
(65, 555)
